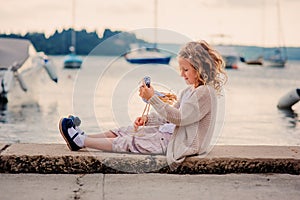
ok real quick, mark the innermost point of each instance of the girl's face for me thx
(188, 72)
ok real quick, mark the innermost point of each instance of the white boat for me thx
(276, 57)
(20, 64)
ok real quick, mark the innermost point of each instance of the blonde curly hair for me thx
(208, 63)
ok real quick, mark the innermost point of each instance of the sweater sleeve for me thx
(190, 111)
(155, 119)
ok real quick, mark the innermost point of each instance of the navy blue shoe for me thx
(76, 122)
(64, 125)
(75, 119)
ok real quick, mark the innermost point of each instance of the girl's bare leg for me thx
(107, 134)
(104, 144)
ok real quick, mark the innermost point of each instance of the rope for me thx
(145, 113)
(168, 98)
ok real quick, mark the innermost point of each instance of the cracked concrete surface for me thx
(47, 186)
(149, 186)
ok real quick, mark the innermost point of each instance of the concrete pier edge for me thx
(58, 159)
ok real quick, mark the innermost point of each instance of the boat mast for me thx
(73, 36)
(280, 32)
(155, 23)
(279, 24)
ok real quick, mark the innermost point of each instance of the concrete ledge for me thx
(56, 158)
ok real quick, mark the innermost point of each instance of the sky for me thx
(245, 22)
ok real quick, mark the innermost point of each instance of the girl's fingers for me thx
(136, 123)
(139, 121)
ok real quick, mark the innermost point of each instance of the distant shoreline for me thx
(59, 42)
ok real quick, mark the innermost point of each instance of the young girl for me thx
(178, 131)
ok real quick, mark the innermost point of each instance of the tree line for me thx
(59, 42)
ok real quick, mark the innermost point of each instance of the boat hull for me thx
(165, 60)
(231, 62)
(72, 61)
(72, 65)
(274, 63)
(230, 56)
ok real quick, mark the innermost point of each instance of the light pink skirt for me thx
(147, 140)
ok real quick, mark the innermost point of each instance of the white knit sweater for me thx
(194, 115)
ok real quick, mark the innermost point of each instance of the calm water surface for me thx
(104, 94)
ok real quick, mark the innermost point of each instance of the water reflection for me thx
(19, 113)
(290, 116)
(3, 110)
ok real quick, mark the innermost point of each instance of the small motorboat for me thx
(230, 56)
(258, 61)
(20, 64)
(72, 61)
(231, 61)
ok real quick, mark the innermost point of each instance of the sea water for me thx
(104, 93)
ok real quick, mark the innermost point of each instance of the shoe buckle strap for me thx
(74, 136)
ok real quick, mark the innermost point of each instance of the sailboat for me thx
(147, 54)
(72, 60)
(277, 59)
(278, 56)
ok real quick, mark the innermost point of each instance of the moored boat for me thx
(146, 56)
(258, 61)
(230, 56)
(21, 63)
(72, 61)
(277, 59)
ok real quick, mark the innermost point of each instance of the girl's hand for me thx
(145, 92)
(140, 121)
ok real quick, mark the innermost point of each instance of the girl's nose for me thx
(181, 73)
